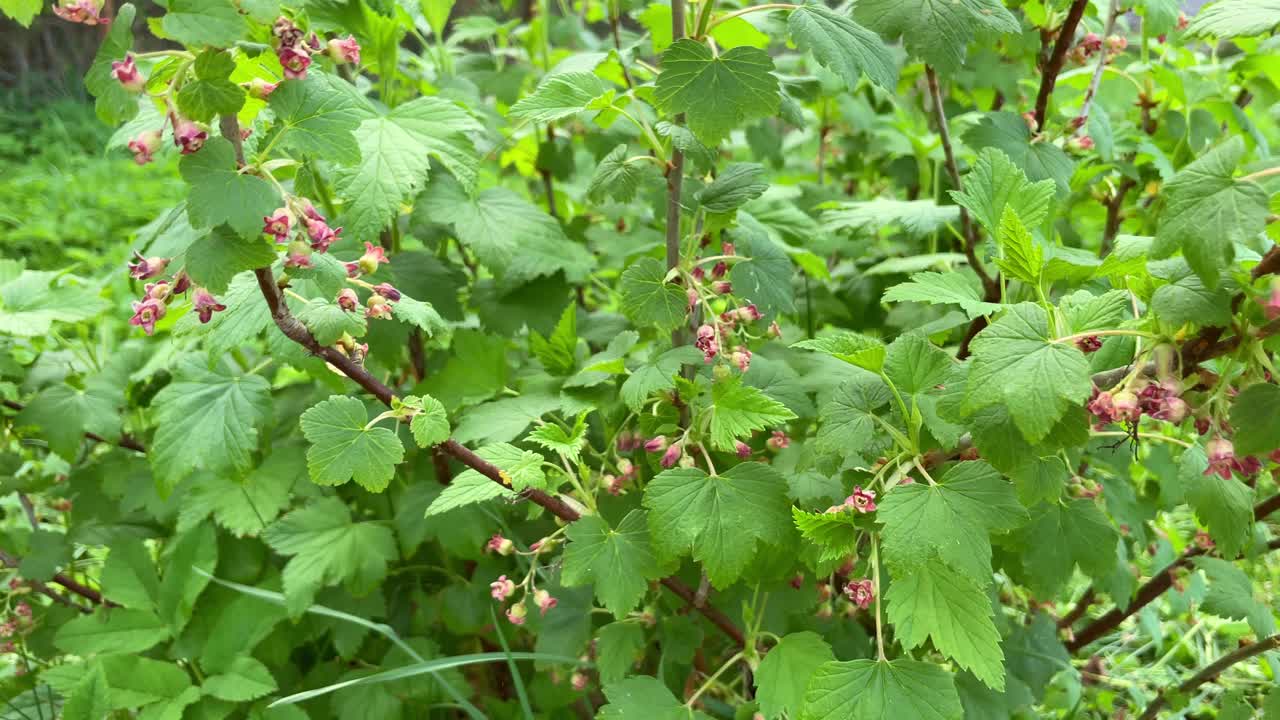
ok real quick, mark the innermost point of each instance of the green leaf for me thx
(951, 288)
(618, 563)
(648, 299)
(1085, 311)
(614, 177)
(558, 440)
(23, 11)
(1185, 299)
(211, 92)
(34, 300)
(733, 187)
(318, 116)
(952, 519)
(343, 447)
(1207, 211)
(325, 548)
(915, 365)
(874, 690)
(430, 426)
(111, 630)
(245, 505)
(49, 551)
(114, 103)
(644, 698)
(511, 236)
(395, 159)
(215, 259)
(181, 585)
(720, 518)
(739, 409)
(784, 673)
(505, 419)
(1235, 18)
(65, 413)
(936, 32)
(327, 321)
(765, 276)
(522, 468)
(204, 22)
(995, 184)
(716, 93)
(560, 96)
(660, 374)
(856, 349)
(1255, 415)
(932, 601)
(917, 218)
(246, 679)
(848, 418)
(468, 488)
(1023, 257)
(129, 576)
(1224, 506)
(89, 700)
(221, 194)
(207, 419)
(835, 533)
(419, 314)
(618, 646)
(1008, 132)
(606, 364)
(1083, 536)
(1037, 380)
(842, 46)
(1229, 590)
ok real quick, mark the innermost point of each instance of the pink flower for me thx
(501, 588)
(147, 268)
(544, 600)
(126, 72)
(353, 269)
(1089, 344)
(722, 287)
(23, 610)
(500, 545)
(1117, 43)
(1172, 409)
(348, 300)
(188, 136)
(749, 313)
(8, 628)
(860, 592)
(516, 614)
(205, 304)
(742, 358)
(1102, 407)
(691, 296)
(1126, 406)
(158, 290)
(278, 224)
(295, 61)
(743, 449)
(672, 455)
(1271, 304)
(707, 343)
(1222, 457)
(144, 145)
(146, 313)
(387, 291)
(726, 248)
(345, 51)
(657, 444)
(626, 469)
(373, 257)
(779, 440)
(1091, 43)
(322, 236)
(298, 259)
(181, 282)
(377, 308)
(1182, 21)
(86, 12)
(260, 89)
(864, 501)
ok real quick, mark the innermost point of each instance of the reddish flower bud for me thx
(657, 444)
(126, 72)
(722, 287)
(1089, 344)
(749, 313)
(726, 248)
(774, 330)
(388, 292)
(1172, 409)
(797, 581)
(353, 269)
(189, 136)
(377, 307)
(544, 600)
(742, 358)
(698, 274)
(1091, 43)
(345, 51)
(672, 455)
(348, 300)
(516, 614)
(294, 60)
(1222, 457)
(720, 270)
(260, 89)
(147, 268)
(144, 145)
(205, 304)
(860, 592)
(743, 449)
(373, 257)
(181, 282)
(278, 224)
(501, 588)
(500, 545)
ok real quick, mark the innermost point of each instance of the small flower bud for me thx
(742, 358)
(322, 236)
(657, 444)
(147, 268)
(720, 270)
(85, 12)
(722, 287)
(1126, 406)
(726, 248)
(144, 145)
(260, 89)
(353, 269)
(516, 614)
(388, 292)
(774, 330)
(126, 72)
(373, 257)
(749, 313)
(698, 274)
(345, 51)
(578, 681)
(672, 455)
(377, 308)
(189, 136)
(779, 440)
(1089, 344)
(501, 588)
(743, 449)
(500, 545)
(544, 600)
(1222, 457)
(348, 300)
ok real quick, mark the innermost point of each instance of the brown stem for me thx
(1094, 81)
(1115, 205)
(71, 585)
(1156, 586)
(615, 23)
(1212, 671)
(548, 185)
(126, 441)
(1081, 607)
(1049, 75)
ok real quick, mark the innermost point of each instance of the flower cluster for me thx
(614, 484)
(85, 12)
(1160, 400)
(1092, 43)
(294, 48)
(504, 587)
(156, 296)
(19, 623)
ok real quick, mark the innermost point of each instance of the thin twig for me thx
(126, 441)
(1083, 117)
(675, 172)
(1212, 671)
(71, 585)
(1115, 215)
(1049, 74)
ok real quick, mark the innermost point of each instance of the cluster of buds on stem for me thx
(614, 484)
(294, 48)
(1092, 43)
(1160, 400)
(18, 623)
(153, 305)
(282, 223)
